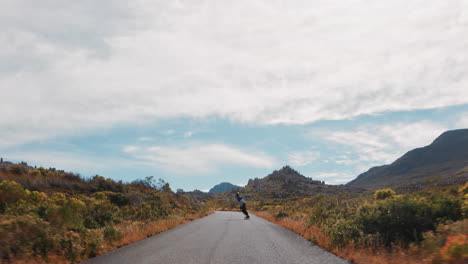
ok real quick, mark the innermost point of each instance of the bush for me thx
(119, 199)
(72, 213)
(446, 208)
(18, 169)
(159, 204)
(112, 234)
(319, 215)
(71, 245)
(384, 194)
(90, 223)
(94, 240)
(103, 212)
(24, 234)
(455, 248)
(464, 193)
(10, 192)
(344, 231)
(77, 216)
(397, 220)
(281, 215)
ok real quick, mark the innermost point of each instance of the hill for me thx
(287, 183)
(49, 215)
(444, 162)
(223, 187)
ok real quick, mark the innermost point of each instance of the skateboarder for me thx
(242, 205)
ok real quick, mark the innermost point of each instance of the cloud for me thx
(86, 65)
(383, 143)
(144, 139)
(333, 177)
(242, 184)
(73, 162)
(302, 158)
(344, 159)
(188, 134)
(198, 158)
(462, 121)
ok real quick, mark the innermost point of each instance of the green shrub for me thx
(71, 245)
(112, 234)
(319, 215)
(343, 232)
(100, 196)
(281, 215)
(36, 197)
(384, 194)
(72, 213)
(464, 189)
(90, 223)
(25, 234)
(397, 220)
(103, 212)
(10, 192)
(79, 214)
(119, 199)
(160, 206)
(94, 240)
(18, 169)
(446, 208)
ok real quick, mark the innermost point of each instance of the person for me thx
(243, 207)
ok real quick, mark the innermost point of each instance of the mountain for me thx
(444, 162)
(223, 187)
(290, 184)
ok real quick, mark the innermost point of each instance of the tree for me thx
(160, 184)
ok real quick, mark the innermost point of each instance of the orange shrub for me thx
(455, 248)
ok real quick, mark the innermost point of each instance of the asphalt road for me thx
(222, 238)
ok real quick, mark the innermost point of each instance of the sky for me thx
(200, 92)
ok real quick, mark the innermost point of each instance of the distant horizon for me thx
(86, 177)
(207, 189)
(201, 92)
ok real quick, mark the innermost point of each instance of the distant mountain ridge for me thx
(444, 162)
(223, 187)
(290, 184)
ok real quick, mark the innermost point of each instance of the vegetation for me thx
(52, 216)
(424, 227)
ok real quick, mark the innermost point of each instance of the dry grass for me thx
(310, 232)
(349, 252)
(131, 232)
(135, 231)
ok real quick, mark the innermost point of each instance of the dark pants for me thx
(244, 210)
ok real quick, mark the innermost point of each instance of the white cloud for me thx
(168, 132)
(188, 134)
(462, 121)
(73, 162)
(82, 65)
(344, 159)
(242, 184)
(334, 177)
(302, 158)
(384, 143)
(198, 158)
(144, 139)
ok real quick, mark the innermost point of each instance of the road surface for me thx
(222, 238)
